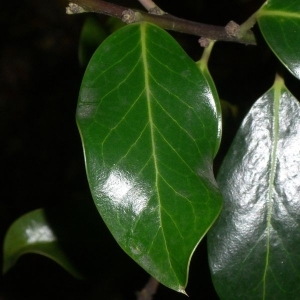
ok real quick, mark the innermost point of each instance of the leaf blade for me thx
(251, 246)
(279, 22)
(31, 233)
(148, 160)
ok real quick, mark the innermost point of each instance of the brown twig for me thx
(166, 21)
(151, 7)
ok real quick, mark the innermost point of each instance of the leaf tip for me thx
(8, 262)
(5, 268)
(182, 291)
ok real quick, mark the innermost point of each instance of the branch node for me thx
(156, 11)
(74, 9)
(232, 29)
(204, 42)
(128, 16)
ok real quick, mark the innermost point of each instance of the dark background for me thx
(41, 155)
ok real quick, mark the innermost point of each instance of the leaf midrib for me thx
(287, 14)
(152, 128)
(277, 93)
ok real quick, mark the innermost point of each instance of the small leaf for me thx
(203, 65)
(31, 233)
(149, 127)
(279, 22)
(113, 24)
(92, 34)
(254, 245)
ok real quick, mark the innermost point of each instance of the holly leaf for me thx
(279, 22)
(31, 233)
(253, 246)
(149, 128)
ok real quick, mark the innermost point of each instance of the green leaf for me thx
(92, 34)
(254, 245)
(149, 128)
(279, 22)
(113, 24)
(31, 233)
(203, 65)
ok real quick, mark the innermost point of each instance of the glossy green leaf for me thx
(279, 22)
(254, 245)
(203, 65)
(31, 233)
(149, 127)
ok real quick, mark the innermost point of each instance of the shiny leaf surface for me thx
(254, 245)
(279, 22)
(149, 127)
(31, 233)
